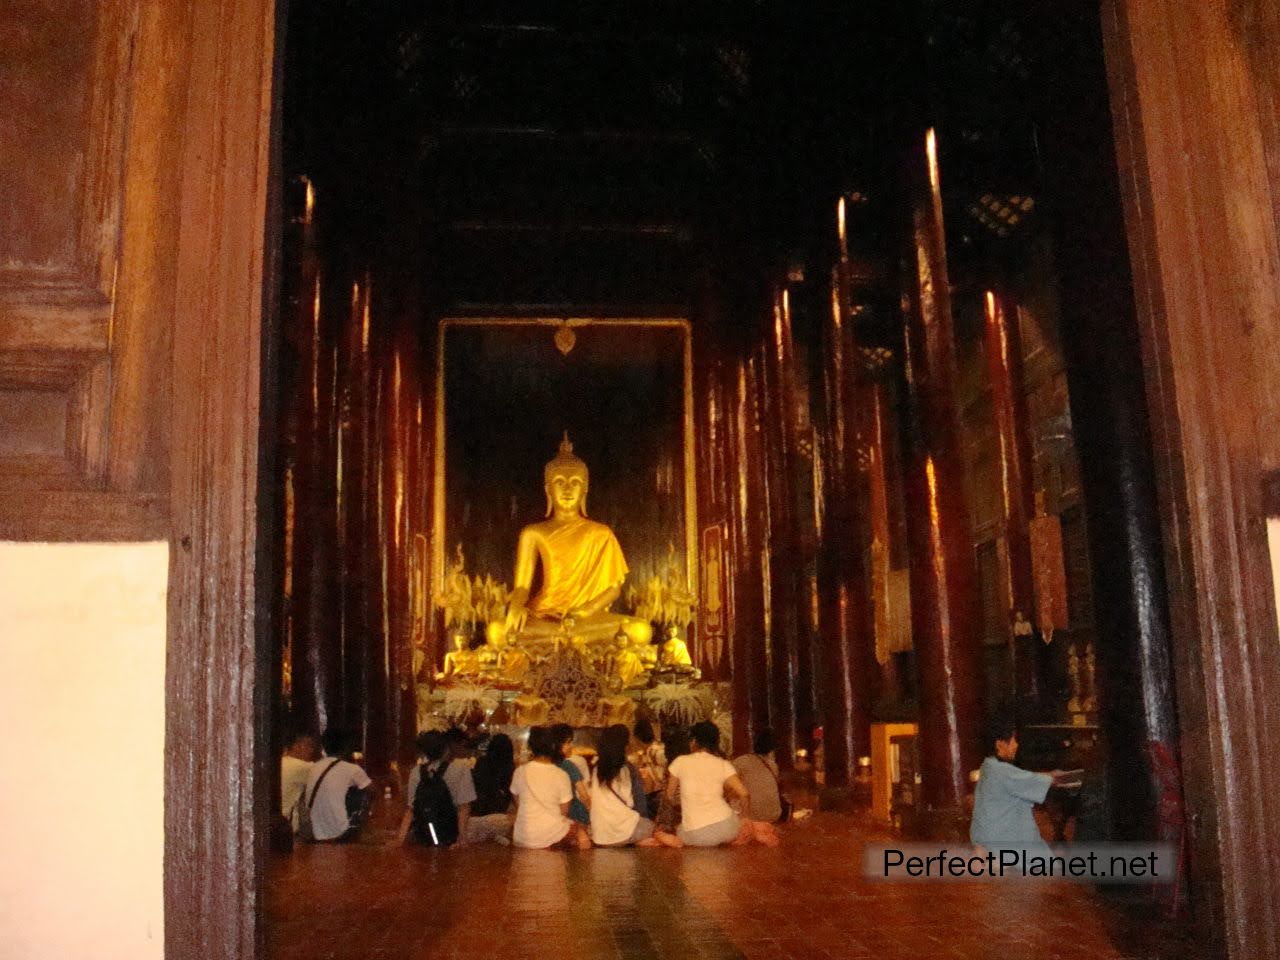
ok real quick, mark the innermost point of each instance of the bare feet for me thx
(648, 842)
(764, 833)
(668, 840)
(581, 837)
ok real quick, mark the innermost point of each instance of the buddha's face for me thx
(567, 491)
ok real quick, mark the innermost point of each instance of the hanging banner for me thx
(713, 612)
(1050, 570)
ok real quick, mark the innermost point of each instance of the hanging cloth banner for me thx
(713, 612)
(1050, 570)
(899, 611)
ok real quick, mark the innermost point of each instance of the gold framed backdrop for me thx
(508, 388)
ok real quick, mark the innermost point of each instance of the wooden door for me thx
(135, 149)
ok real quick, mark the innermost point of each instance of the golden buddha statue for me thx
(461, 661)
(582, 565)
(626, 666)
(674, 654)
(513, 664)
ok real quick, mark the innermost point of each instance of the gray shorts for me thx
(713, 834)
(643, 830)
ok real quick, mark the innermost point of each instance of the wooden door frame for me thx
(216, 736)
(215, 785)
(1193, 91)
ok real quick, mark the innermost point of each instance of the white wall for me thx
(82, 649)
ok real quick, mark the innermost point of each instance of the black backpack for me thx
(435, 818)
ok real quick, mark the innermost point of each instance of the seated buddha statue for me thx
(461, 661)
(674, 654)
(625, 665)
(582, 568)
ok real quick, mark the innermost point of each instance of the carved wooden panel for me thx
(84, 101)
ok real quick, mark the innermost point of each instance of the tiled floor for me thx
(802, 900)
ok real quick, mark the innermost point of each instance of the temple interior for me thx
(739, 479)
(833, 302)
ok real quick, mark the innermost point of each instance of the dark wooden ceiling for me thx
(575, 156)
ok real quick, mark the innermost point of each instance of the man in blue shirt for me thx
(1005, 794)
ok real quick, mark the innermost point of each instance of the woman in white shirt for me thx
(542, 794)
(700, 779)
(615, 822)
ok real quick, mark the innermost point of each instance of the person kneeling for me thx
(1005, 795)
(700, 779)
(612, 796)
(542, 793)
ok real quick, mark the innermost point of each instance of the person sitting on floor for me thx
(440, 794)
(759, 773)
(542, 793)
(615, 821)
(295, 769)
(577, 769)
(702, 778)
(1005, 795)
(338, 792)
(459, 745)
(675, 743)
(492, 777)
(650, 761)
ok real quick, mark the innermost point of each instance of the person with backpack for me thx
(338, 793)
(439, 795)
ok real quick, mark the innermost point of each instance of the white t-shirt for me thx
(329, 811)
(613, 820)
(702, 776)
(293, 777)
(540, 789)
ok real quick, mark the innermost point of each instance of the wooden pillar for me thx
(780, 553)
(748, 546)
(944, 606)
(316, 657)
(1104, 365)
(1195, 94)
(351, 470)
(847, 663)
(394, 632)
(1003, 342)
(712, 401)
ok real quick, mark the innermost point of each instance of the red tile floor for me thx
(804, 899)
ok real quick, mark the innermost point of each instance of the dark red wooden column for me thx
(315, 658)
(781, 553)
(944, 604)
(1105, 374)
(361, 686)
(748, 541)
(1009, 404)
(847, 660)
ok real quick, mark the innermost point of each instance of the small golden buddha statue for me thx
(513, 665)
(530, 710)
(582, 565)
(675, 652)
(461, 661)
(626, 666)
